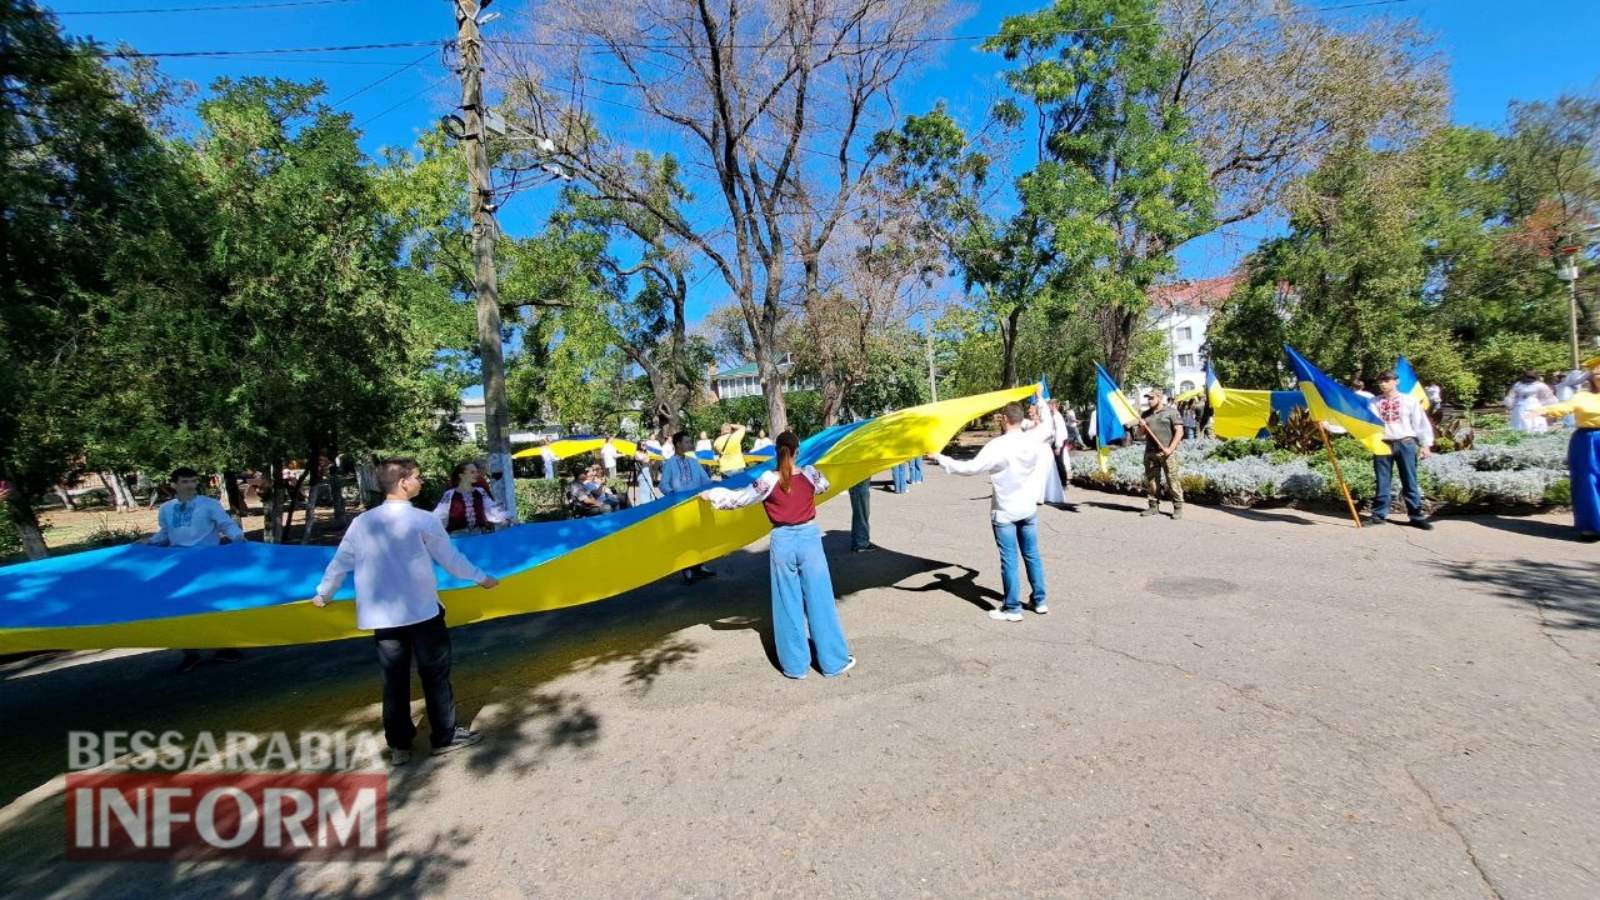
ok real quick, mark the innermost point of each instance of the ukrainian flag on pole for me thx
(1408, 383)
(1113, 414)
(1215, 395)
(1332, 403)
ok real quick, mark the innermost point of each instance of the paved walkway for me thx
(1241, 704)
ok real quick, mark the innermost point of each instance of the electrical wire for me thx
(190, 9)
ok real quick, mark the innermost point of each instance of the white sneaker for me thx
(850, 664)
(1001, 615)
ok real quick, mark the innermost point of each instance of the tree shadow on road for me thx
(1538, 528)
(1563, 591)
(505, 675)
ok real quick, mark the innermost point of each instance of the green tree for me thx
(83, 185)
(1119, 183)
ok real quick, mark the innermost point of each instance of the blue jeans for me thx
(900, 481)
(802, 594)
(916, 470)
(1403, 453)
(1007, 537)
(860, 512)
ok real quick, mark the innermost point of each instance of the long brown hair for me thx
(788, 446)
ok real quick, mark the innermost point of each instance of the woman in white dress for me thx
(1050, 491)
(1529, 395)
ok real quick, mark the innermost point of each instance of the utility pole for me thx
(485, 287)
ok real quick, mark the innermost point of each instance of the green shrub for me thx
(1558, 493)
(1240, 449)
(1194, 485)
(10, 539)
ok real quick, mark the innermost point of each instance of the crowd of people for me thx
(393, 547)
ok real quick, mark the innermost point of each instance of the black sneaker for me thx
(867, 549)
(229, 655)
(1377, 520)
(190, 662)
(703, 572)
(1423, 524)
(464, 737)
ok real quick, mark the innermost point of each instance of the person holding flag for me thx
(1408, 432)
(1016, 471)
(1163, 429)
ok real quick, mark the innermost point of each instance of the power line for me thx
(190, 9)
(362, 90)
(585, 45)
(425, 88)
(342, 48)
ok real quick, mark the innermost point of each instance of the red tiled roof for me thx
(1206, 293)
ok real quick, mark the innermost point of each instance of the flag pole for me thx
(1328, 445)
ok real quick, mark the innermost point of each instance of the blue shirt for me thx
(683, 473)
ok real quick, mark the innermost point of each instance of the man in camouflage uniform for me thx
(1162, 433)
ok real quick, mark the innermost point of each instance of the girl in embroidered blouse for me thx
(468, 506)
(802, 588)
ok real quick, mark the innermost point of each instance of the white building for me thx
(1182, 311)
(745, 381)
(470, 422)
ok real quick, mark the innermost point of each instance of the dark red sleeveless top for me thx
(794, 508)
(458, 511)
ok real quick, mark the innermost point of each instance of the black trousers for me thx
(429, 643)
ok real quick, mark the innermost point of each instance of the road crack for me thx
(1466, 845)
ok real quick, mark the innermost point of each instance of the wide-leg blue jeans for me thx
(1404, 454)
(802, 594)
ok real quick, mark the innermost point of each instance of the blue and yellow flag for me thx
(1408, 383)
(1242, 415)
(1331, 403)
(1113, 414)
(1215, 395)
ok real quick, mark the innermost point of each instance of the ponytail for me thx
(788, 446)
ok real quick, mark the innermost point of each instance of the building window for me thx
(1186, 333)
(1186, 387)
(1186, 360)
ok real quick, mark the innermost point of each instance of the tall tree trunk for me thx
(309, 530)
(336, 485)
(1008, 339)
(772, 390)
(27, 525)
(64, 497)
(121, 497)
(231, 489)
(272, 503)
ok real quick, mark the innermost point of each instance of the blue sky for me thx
(1497, 52)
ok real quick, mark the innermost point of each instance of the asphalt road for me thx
(1239, 704)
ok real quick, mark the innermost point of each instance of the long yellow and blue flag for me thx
(255, 595)
(1241, 415)
(1407, 382)
(1334, 404)
(1113, 414)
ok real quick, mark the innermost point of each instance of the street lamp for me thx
(1567, 270)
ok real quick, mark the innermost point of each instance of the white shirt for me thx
(1403, 417)
(199, 523)
(667, 450)
(1013, 464)
(728, 498)
(392, 550)
(703, 444)
(1060, 424)
(761, 444)
(608, 455)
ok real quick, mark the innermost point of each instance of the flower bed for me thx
(1527, 472)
